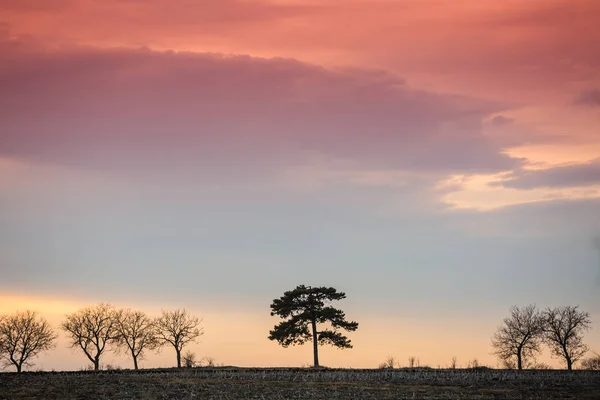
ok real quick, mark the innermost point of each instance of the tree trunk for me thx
(567, 357)
(178, 357)
(315, 343)
(135, 364)
(519, 361)
(18, 367)
(96, 363)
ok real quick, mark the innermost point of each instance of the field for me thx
(286, 383)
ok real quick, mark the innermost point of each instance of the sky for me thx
(438, 161)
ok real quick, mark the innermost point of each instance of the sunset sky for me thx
(437, 160)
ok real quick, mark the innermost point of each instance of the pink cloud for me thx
(123, 108)
(511, 49)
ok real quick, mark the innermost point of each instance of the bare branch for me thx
(92, 329)
(23, 336)
(135, 333)
(563, 333)
(177, 328)
(518, 340)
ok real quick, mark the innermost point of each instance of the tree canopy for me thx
(92, 329)
(24, 335)
(135, 333)
(177, 328)
(303, 310)
(563, 329)
(519, 338)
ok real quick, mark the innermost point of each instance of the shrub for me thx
(390, 362)
(592, 363)
(189, 359)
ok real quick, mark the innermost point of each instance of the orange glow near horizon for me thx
(239, 339)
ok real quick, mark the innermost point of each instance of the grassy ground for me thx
(254, 383)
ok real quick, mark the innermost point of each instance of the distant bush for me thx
(208, 362)
(390, 362)
(453, 363)
(189, 359)
(592, 363)
(541, 366)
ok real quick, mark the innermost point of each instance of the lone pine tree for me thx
(306, 307)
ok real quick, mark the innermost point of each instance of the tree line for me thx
(307, 316)
(93, 330)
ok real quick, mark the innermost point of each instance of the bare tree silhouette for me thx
(135, 333)
(520, 335)
(23, 335)
(563, 332)
(92, 329)
(177, 328)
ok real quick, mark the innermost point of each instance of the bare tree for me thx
(563, 332)
(135, 333)
(92, 329)
(24, 335)
(177, 328)
(520, 336)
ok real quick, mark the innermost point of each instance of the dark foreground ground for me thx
(256, 383)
